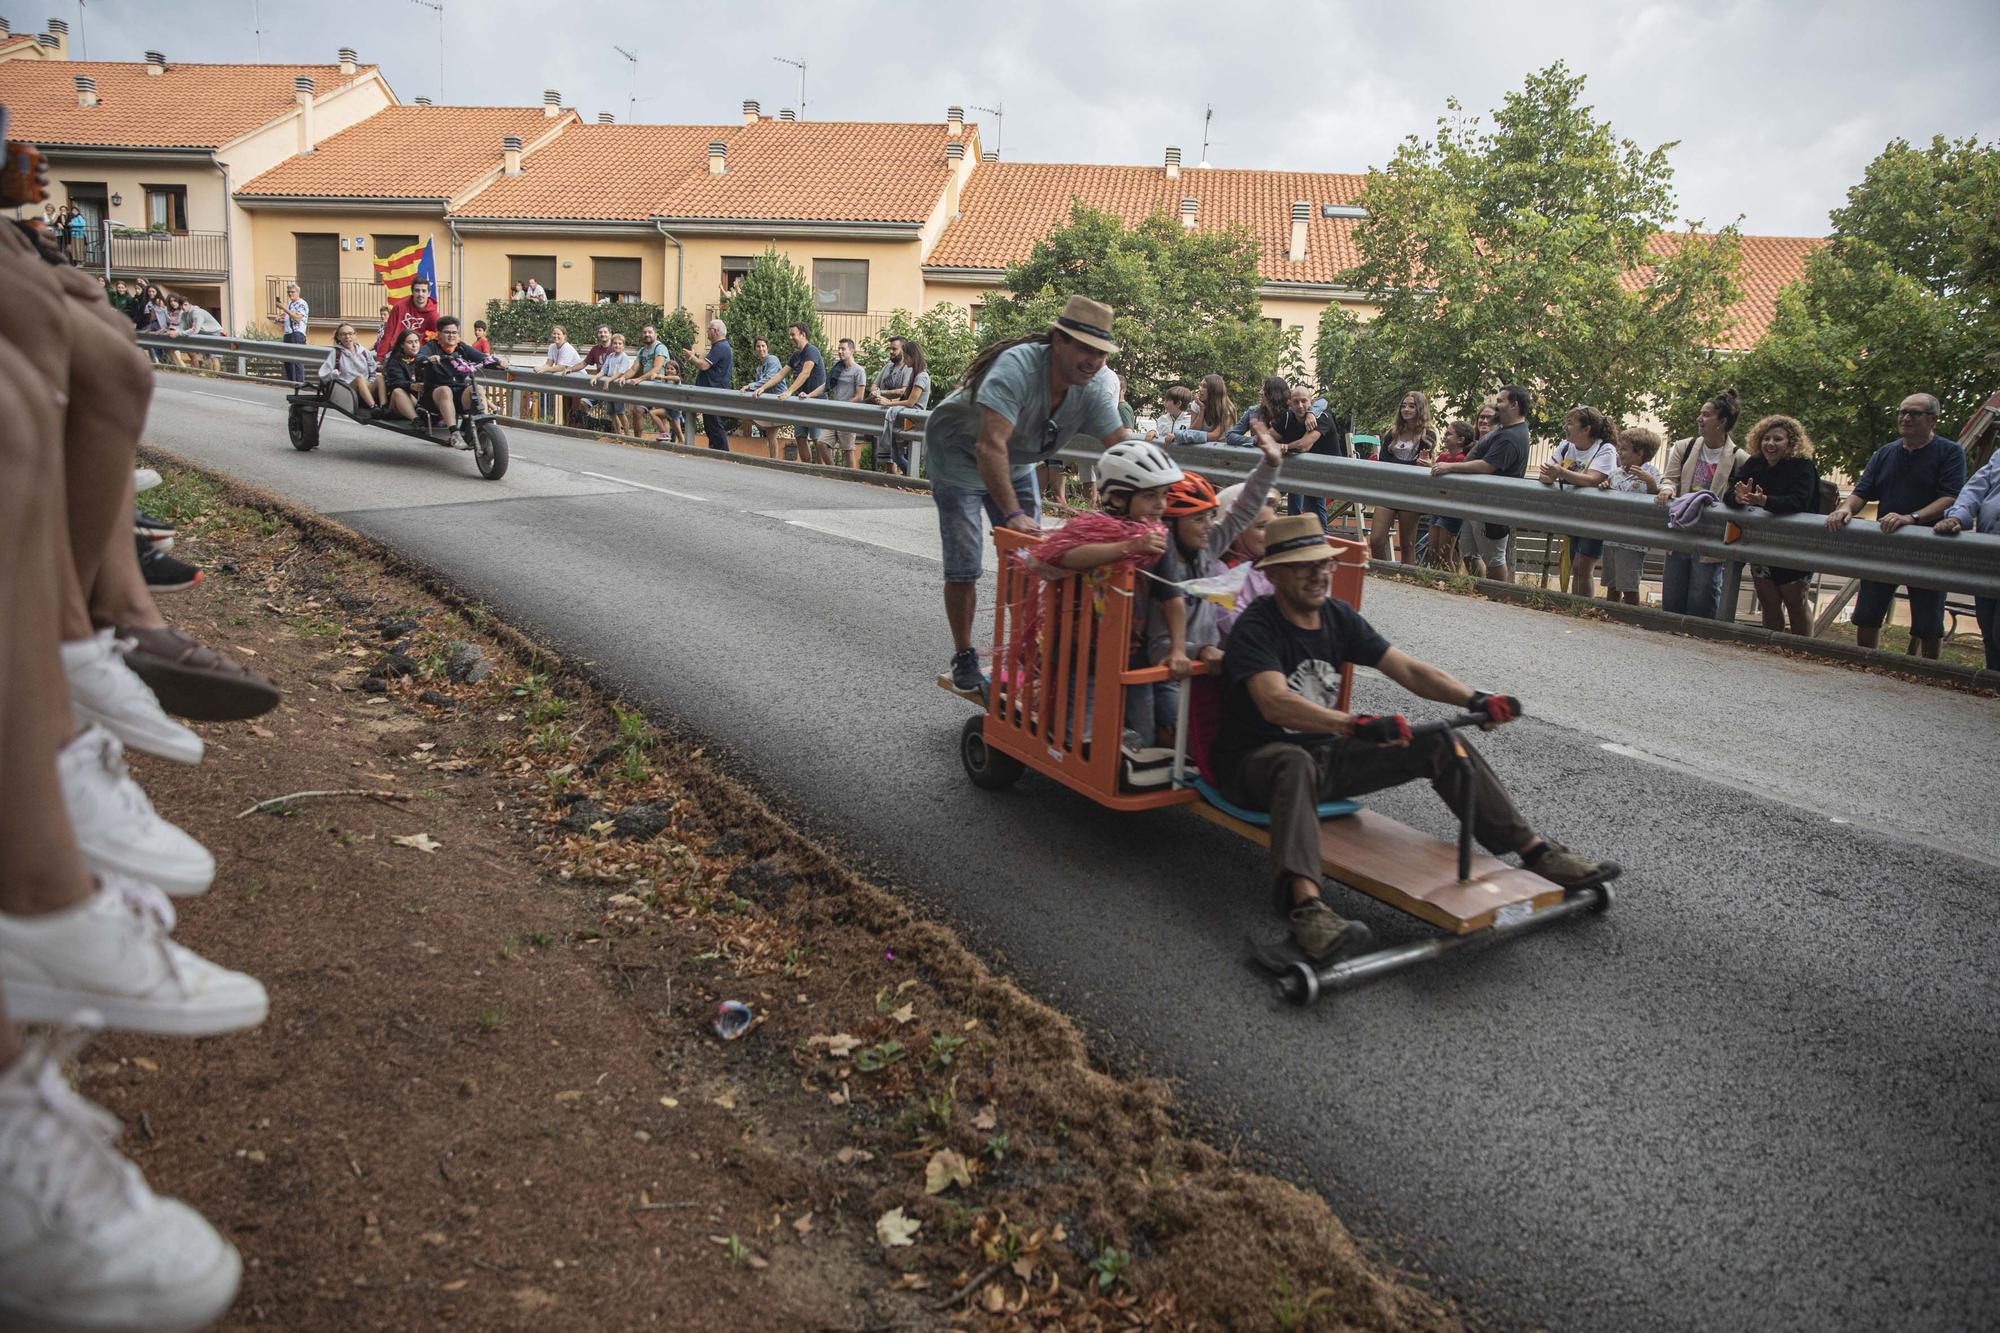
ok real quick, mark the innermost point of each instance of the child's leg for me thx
(1139, 711)
(1166, 710)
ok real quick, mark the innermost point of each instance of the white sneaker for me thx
(144, 479)
(104, 692)
(84, 1244)
(117, 828)
(111, 953)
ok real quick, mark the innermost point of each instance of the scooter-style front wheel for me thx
(489, 450)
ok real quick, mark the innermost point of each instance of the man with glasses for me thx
(1912, 480)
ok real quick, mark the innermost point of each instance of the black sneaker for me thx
(166, 574)
(965, 672)
(154, 533)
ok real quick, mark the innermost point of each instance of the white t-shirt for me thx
(1403, 451)
(1621, 482)
(1597, 456)
(564, 355)
(1165, 426)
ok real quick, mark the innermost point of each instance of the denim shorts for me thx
(1586, 548)
(1447, 522)
(959, 508)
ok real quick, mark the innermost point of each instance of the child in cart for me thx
(1178, 621)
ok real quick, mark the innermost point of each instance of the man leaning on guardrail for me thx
(1978, 508)
(1913, 480)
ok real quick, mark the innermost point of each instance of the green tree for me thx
(1186, 302)
(772, 297)
(1537, 251)
(1904, 298)
(945, 333)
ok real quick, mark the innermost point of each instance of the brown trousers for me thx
(1289, 781)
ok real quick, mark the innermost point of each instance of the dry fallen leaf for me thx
(435, 1238)
(907, 1014)
(804, 1224)
(840, 1045)
(849, 1156)
(570, 1096)
(265, 732)
(994, 1299)
(893, 1229)
(727, 1101)
(454, 1286)
(423, 842)
(945, 1169)
(988, 1117)
(603, 826)
(145, 1064)
(670, 1102)
(913, 1282)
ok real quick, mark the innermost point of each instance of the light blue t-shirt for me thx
(1017, 387)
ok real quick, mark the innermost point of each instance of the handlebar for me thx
(1450, 724)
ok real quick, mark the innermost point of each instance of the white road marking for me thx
(682, 495)
(225, 397)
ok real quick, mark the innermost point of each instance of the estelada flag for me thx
(396, 272)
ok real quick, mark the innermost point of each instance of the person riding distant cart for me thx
(1021, 402)
(446, 368)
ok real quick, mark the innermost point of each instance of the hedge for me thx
(528, 323)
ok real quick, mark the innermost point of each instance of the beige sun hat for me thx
(1294, 540)
(1087, 321)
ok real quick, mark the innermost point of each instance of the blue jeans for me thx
(1987, 609)
(959, 508)
(295, 371)
(1691, 587)
(1307, 504)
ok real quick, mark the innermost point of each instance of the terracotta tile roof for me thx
(408, 152)
(1008, 206)
(1769, 264)
(189, 106)
(806, 171)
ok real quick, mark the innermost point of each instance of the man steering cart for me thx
(1283, 746)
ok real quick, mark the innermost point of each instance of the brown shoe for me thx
(1321, 933)
(1559, 865)
(195, 681)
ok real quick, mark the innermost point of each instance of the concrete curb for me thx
(1755, 636)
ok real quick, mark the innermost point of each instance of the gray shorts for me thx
(1622, 567)
(959, 509)
(1474, 544)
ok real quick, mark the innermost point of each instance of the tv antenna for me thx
(437, 5)
(999, 115)
(1207, 118)
(800, 65)
(632, 85)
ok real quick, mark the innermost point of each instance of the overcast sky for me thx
(1777, 105)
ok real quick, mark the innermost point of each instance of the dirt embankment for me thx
(490, 1091)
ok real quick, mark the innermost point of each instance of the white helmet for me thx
(1137, 465)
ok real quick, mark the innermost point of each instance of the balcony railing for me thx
(151, 254)
(356, 300)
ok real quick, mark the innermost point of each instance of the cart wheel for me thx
(302, 424)
(986, 766)
(489, 450)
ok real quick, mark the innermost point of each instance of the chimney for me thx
(349, 62)
(156, 63)
(989, 154)
(717, 151)
(420, 101)
(1189, 207)
(60, 31)
(510, 153)
(786, 113)
(50, 42)
(1173, 164)
(604, 118)
(302, 87)
(954, 122)
(1301, 211)
(751, 111)
(86, 90)
(954, 161)
(551, 102)
(6, 29)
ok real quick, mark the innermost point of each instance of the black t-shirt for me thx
(1505, 450)
(1309, 660)
(814, 381)
(1332, 440)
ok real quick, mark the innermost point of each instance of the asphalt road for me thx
(1761, 1093)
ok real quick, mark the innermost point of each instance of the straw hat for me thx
(1294, 540)
(1087, 321)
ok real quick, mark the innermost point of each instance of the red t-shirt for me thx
(402, 317)
(485, 347)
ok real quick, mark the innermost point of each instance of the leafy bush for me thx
(260, 331)
(527, 323)
(772, 297)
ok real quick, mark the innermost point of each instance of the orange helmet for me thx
(1192, 494)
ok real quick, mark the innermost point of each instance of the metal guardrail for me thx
(1969, 562)
(1966, 563)
(902, 423)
